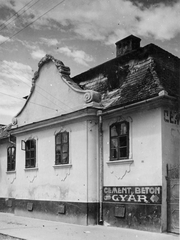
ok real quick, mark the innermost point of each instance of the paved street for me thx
(35, 229)
(6, 237)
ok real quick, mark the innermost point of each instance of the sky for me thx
(80, 33)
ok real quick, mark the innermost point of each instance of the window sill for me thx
(31, 169)
(120, 161)
(11, 171)
(62, 166)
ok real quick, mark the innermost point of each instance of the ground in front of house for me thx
(7, 237)
(36, 229)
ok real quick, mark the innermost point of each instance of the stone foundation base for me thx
(135, 216)
(69, 212)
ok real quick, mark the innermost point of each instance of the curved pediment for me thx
(53, 93)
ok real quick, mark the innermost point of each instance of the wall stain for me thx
(142, 218)
(48, 191)
(175, 133)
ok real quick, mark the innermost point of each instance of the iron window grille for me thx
(119, 141)
(62, 148)
(11, 158)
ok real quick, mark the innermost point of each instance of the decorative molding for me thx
(11, 176)
(116, 173)
(120, 119)
(14, 121)
(59, 64)
(31, 137)
(62, 166)
(126, 161)
(31, 169)
(62, 129)
(92, 96)
(62, 175)
(11, 172)
(32, 174)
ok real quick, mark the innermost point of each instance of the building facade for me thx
(94, 149)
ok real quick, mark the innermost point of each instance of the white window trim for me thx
(31, 138)
(60, 130)
(130, 158)
(11, 172)
(12, 145)
(31, 169)
(120, 161)
(62, 166)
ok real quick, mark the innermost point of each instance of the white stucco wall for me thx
(79, 181)
(170, 151)
(72, 182)
(92, 160)
(52, 97)
(145, 169)
(170, 137)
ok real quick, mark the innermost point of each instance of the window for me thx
(30, 148)
(11, 158)
(119, 141)
(62, 148)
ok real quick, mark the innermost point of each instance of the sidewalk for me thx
(35, 229)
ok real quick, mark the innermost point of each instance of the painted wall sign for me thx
(171, 117)
(146, 194)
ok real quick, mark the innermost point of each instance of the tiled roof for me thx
(4, 132)
(140, 83)
(134, 77)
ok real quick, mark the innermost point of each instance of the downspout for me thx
(167, 198)
(87, 181)
(101, 174)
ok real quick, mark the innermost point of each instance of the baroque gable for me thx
(53, 93)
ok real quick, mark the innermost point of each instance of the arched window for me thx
(119, 141)
(62, 148)
(11, 158)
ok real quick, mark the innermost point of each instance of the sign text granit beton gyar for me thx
(129, 194)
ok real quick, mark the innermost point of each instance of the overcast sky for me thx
(81, 33)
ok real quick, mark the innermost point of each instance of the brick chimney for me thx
(127, 45)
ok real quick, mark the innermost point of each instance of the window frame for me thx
(61, 145)
(10, 165)
(119, 146)
(31, 151)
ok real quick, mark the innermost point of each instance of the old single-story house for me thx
(97, 148)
